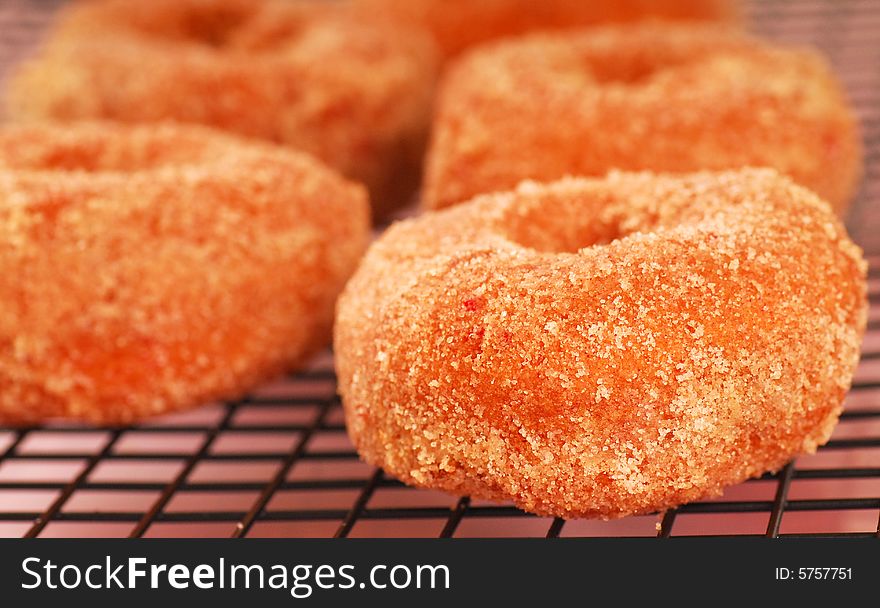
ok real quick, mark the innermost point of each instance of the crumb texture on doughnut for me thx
(457, 25)
(312, 75)
(147, 269)
(600, 348)
(650, 97)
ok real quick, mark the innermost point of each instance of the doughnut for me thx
(600, 347)
(306, 74)
(649, 97)
(457, 25)
(145, 269)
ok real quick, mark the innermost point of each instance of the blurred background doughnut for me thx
(659, 97)
(312, 75)
(603, 347)
(147, 269)
(459, 24)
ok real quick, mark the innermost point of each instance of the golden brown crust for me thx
(313, 76)
(146, 269)
(650, 97)
(599, 348)
(457, 25)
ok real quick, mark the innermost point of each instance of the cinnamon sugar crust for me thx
(457, 25)
(308, 74)
(149, 269)
(656, 97)
(603, 347)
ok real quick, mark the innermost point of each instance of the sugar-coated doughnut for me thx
(312, 75)
(655, 97)
(456, 25)
(147, 269)
(600, 348)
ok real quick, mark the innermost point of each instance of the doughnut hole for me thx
(276, 27)
(554, 225)
(210, 23)
(608, 67)
(584, 218)
(91, 152)
(606, 62)
(551, 224)
(225, 25)
(213, 25)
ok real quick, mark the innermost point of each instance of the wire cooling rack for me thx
(278, 463)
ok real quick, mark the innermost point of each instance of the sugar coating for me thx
(600, 348)
(311, 75)
(457, 25)
(147, 269)
(655, 97)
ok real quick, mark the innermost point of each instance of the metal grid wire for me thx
(278, 463)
